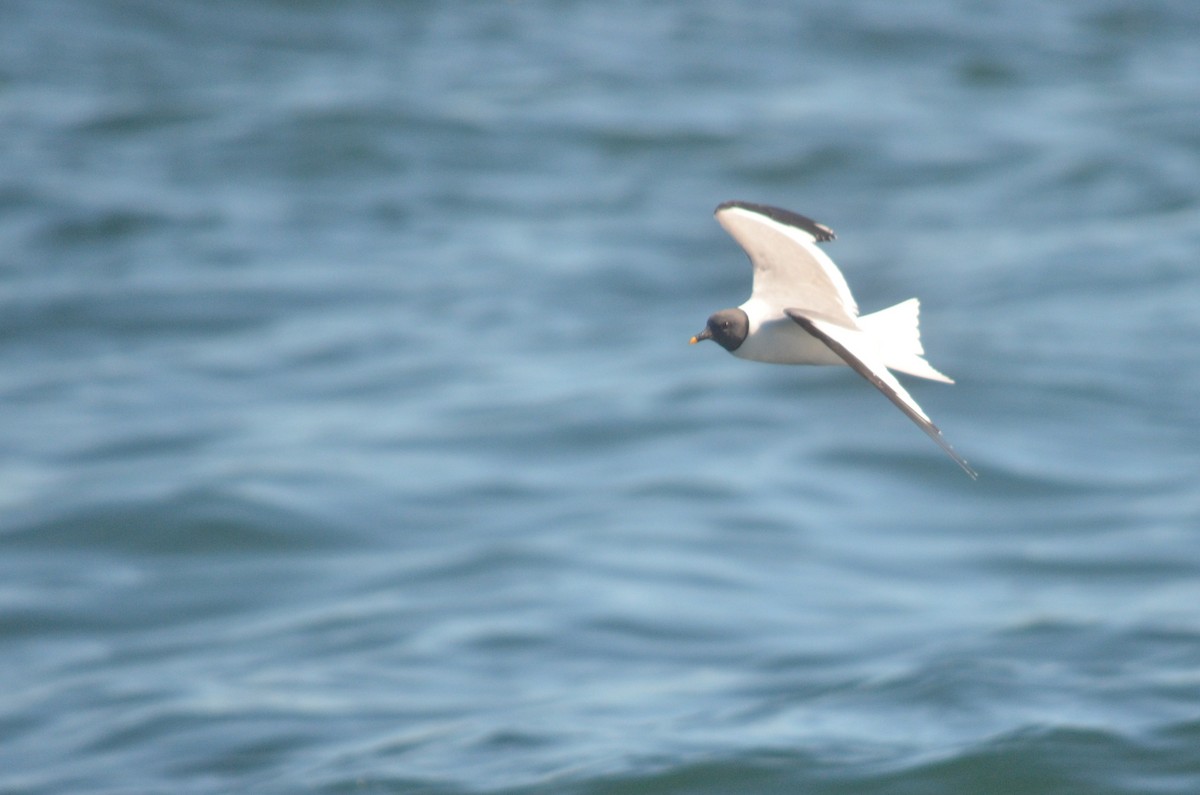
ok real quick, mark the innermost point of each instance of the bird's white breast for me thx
(774, 337)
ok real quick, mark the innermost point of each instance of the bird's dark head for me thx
(728, 328)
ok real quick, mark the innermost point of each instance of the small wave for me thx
(192, 522)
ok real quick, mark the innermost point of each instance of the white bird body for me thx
(776, 339)
(801, 311)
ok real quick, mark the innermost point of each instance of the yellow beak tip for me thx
(693, 341)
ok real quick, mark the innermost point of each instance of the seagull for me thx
(800, 311)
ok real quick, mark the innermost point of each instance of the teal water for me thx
(350, 440)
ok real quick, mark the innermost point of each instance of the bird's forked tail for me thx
(897, 332)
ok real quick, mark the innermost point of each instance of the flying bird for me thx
(800, 311)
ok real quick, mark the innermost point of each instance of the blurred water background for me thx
(350, 440)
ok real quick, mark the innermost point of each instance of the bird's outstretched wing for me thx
(847, 343)
(789, 268)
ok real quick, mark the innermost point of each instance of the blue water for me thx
(350, 440)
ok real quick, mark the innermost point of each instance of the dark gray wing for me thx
(790, 269)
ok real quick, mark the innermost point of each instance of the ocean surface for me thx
(350, 440)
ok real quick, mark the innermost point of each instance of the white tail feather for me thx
(898, 335)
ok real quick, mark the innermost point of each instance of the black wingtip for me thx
(819, 231)
(958, 459)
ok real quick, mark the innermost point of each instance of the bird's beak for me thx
(703, 335)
